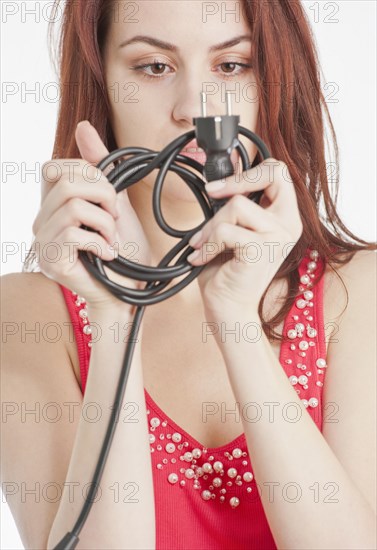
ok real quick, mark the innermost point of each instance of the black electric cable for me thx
(217, 136)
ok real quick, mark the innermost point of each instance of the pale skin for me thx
(345, 452)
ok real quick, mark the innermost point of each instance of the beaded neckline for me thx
(218, 463)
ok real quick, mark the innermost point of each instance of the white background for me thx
(345, 34)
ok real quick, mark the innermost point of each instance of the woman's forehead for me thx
(179, 21)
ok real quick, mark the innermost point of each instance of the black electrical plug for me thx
(217, 136)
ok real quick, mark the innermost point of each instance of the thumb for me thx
(89, 143)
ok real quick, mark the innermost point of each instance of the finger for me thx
(271, 176)
(238, 211)
(228, 240)
(101, 193)
(89, 143)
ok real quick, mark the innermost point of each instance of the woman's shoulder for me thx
(34, 309)
(347, 283)
(31, 293)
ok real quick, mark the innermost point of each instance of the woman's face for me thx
(154, 105)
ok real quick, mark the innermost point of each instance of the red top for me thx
(208, 498)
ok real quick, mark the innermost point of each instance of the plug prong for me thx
(228, 104)
(203, 99)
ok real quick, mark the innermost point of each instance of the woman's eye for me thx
(158, 69)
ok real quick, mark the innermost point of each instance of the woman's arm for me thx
(123, 516)
(297, 453)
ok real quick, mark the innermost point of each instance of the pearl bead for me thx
(196, 453)
(189, 473)
(170, 448)
(176, 437)
(232, 472)
(308, 295)
(305, 279)
(313, 402)
(312, 266)
(217, 482)
(152, 438)
(301, 303)
(293, 380)
(234, 502)
(154, 422)
(207, 468)
(305, 402)
(314, 254)
(87, 329)
(321, 363)
(206, 495)
(218, 466)
(292, 334)
(303, 345)
(302, 379)
(311, 332)
(237, 453)
(172, 478)
(83, 313)
(187, 457)
(248, 476)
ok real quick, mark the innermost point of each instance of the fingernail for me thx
(215, 185)
(194, 255)
(195, 238)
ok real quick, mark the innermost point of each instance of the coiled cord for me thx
(123, 175)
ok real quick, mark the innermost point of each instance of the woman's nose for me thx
(188, 101)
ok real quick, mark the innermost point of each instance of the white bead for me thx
(308, 295)
(154, 422)
(170, 448)
(321, 363)
(172, 478)
(313, 402)
(305, 279)
(299, 327)
(87, 329)
(189, 473)
(234, 502)
(218, 466)
(187, 457)
(207, 468)
(83, 313)
(176, 437)
(217, 482)
(292, 334)
(311, 332)
(293, 380)
(248, 476)
(303, 345)
(312, 266)
(302, 379)
(206, 495)
(196, 453)
(305, 402)
(314, 254)
(237, 453)
(232, 472)
(152, 438)
(301, 303)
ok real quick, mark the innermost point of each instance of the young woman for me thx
(244, 426)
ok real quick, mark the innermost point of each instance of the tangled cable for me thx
(124, 174)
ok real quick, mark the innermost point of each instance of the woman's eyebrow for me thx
(170, 47)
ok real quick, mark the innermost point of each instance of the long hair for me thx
(292, 111)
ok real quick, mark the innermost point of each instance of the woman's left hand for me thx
(244, 244)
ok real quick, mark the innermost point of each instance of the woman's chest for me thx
(186, 376)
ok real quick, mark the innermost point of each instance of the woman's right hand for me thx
(67, 204)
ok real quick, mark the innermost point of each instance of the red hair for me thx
(291, 119)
